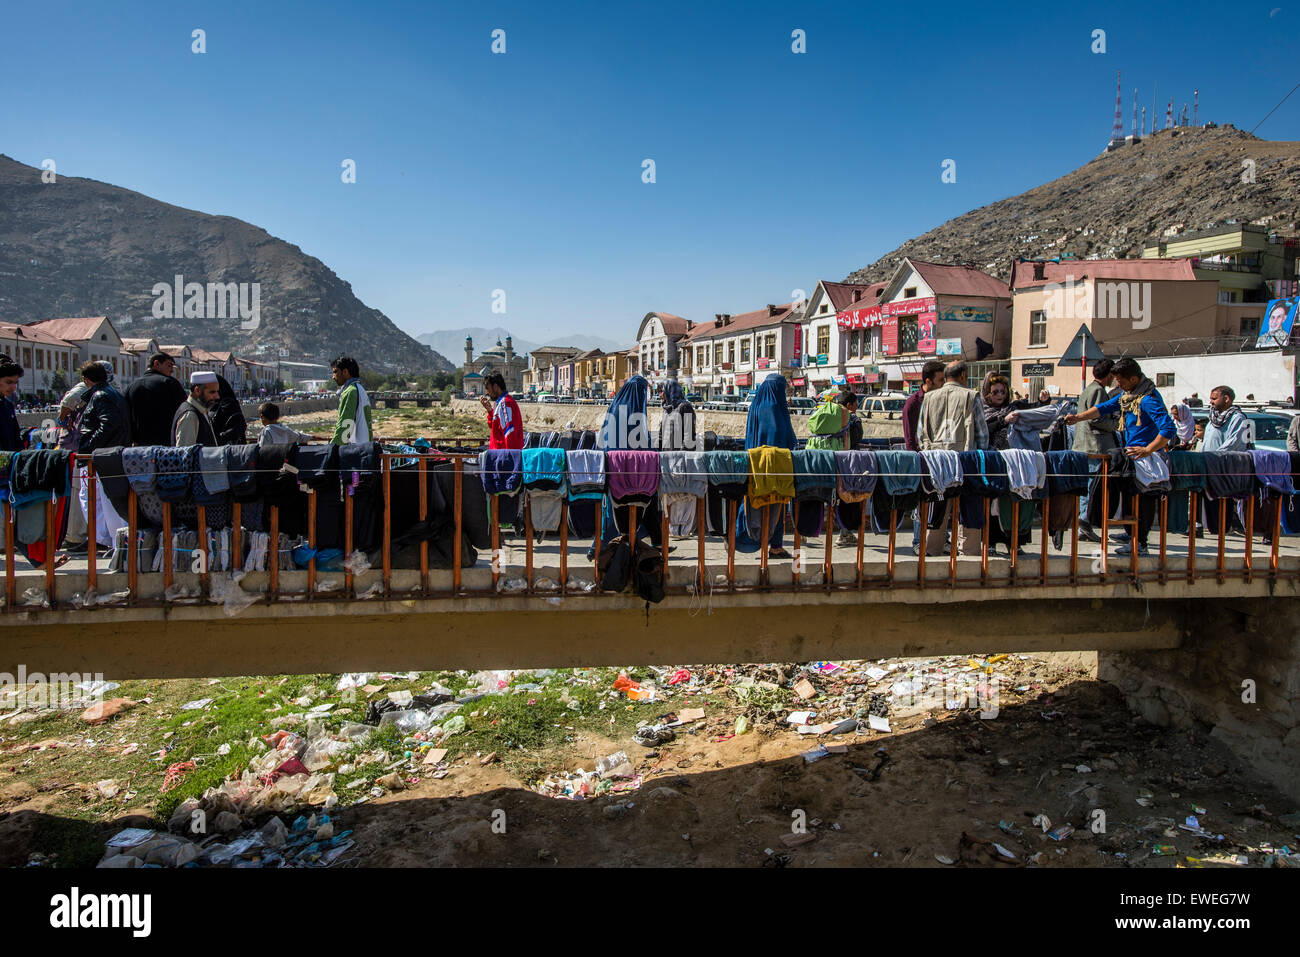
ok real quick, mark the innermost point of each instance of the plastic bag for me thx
(357, 563)
(227, 592)
(407, 721)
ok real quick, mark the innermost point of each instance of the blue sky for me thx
(523, 171)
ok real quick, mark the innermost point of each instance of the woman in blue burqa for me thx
(627, 426)
(768, 424)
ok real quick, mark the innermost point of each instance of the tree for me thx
(59, 382)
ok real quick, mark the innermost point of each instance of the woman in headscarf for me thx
(998, 404)
(228, 416)
(768, 424)
(627, 426)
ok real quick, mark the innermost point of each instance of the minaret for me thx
(510, 349)
(469, 351)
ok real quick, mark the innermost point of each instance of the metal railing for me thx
(860, 579)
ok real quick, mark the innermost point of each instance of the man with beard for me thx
(192, 423)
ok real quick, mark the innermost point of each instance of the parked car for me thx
(801, 405)
(888, 407)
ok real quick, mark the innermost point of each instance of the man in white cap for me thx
(192, 423)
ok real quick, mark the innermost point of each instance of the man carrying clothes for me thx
(1148, 429)
(10, 434)
(1226, 430)
(952, 418)
(192, 423)
(153, 400)
(1095, 436)
(356, 419)
(503, 415)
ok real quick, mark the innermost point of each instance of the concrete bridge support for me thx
(1236, 677)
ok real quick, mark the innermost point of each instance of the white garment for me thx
(1151, 469)
(1026, 471)
(945, 468)
(1184, 423)
(362, 434)
(107, 521)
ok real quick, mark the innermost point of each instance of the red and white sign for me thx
(869, 316)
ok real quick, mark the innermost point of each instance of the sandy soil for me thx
(903, 798)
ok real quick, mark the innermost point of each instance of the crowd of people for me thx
(158, 410)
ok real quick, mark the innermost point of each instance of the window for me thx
(1250, 326)
(717, 354)
(700, 359)
(731, 351)
(27, 358)
(771, 346)
(907, 333)
(1163, 379)
(823, 340)
(40, 358)
(744, 350)
(853, 344)
(1038, 328)
(825, 307)
(909, 292)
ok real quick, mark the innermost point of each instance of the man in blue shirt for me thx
(1148, 429)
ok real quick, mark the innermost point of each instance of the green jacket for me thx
(347, 431)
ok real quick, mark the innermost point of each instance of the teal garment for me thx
(1187, 471)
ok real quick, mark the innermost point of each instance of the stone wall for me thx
(1201, 685)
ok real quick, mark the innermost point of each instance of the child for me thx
(273, 433)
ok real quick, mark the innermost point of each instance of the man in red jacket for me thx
(503, 415)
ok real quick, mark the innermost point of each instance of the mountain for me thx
(1180, 179)
(451, 342)
(79, 247)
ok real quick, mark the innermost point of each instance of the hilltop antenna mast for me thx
(1144, 121)
(1184, 120)
(1117, 130)
(1196, 107)
(1169, 115)
(1135, 113)
(1155, 111)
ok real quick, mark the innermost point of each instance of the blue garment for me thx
(1067, 473)
(626, 426)
(543, 465)
(619, 430)
(813, 469)
(769, 416)
(1142, 429)
(728, 472)
(1273, 470)
(1187, 471)
(1233, 437)
(586, 474)
(857, 471)
(502, 471)
(900, 471)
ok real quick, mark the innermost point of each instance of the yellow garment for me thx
(771, 476)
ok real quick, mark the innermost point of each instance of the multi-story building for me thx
(924, 310)
(1139, 307)
(733, 353)
(829, 365)
(184, 357)
(657, 341)
(543, 371)
(94, 337)
(1243, 259)
(135, 356)
(49, 363)
(588, 374)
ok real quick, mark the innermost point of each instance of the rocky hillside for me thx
(78, 247)
(1109, 208)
